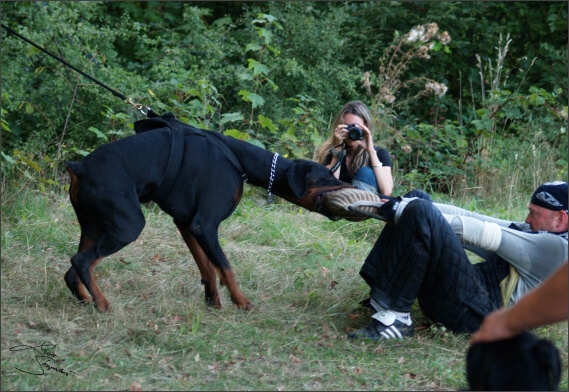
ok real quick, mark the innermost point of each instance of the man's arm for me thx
(523, 250)
(449, 209)
(546, 304)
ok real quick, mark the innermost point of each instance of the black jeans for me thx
(422, 258)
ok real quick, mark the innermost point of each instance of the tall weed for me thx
(509, 142)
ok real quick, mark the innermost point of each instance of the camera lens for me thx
(355, 132)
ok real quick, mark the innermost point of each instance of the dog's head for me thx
(315, 188)
(522, 363)
(308, 181)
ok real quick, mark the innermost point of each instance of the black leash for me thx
(176, 152)
(114, 92)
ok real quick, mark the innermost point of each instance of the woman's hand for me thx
(341, 132)
(368, 139)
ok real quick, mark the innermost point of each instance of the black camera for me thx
(355, 132)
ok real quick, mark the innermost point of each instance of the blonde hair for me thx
(356, 108)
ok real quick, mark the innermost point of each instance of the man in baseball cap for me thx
(420, 255)
(548, 208)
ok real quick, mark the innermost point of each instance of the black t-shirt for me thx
(345, 175)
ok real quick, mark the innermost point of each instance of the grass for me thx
(300, 270)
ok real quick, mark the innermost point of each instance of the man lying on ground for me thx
(420, 254)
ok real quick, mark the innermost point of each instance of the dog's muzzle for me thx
(351, 204)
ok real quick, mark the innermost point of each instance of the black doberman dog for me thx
(521, 363)
(195, 176)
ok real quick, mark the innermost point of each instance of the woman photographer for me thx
(351, 155)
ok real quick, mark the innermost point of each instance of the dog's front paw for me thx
(104, 306)
(213, 301)
(244, 303)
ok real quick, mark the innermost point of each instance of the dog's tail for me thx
(75, 170)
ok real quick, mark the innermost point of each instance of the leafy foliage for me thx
(275, 73)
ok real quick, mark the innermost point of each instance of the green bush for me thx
(276, 73)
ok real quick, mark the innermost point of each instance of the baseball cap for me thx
(551, 195)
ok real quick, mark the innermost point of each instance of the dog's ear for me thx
(304, 174)
(297, 178)
(548, 358)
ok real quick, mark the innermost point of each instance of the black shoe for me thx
(376, 330)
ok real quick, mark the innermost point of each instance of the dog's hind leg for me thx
(72, 279)
(207, 271)
(77, 288)
(84, 269)
(85, 261)
(102, 234)
(109, 213)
